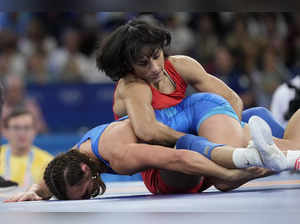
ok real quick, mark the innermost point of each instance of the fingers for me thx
(31, 197)
(28, 196)
(12, 199)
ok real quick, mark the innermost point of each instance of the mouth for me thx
(155, 75)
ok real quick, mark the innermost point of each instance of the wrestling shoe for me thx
(262, 138)
(6, 185)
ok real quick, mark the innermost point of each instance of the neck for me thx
(156, 84)
(19, 151)
(163, 75)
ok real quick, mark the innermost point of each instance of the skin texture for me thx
(149, 70)
(128, 156)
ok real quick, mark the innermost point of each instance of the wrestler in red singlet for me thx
(151, 177)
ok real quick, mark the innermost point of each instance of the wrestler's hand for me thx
(259, 171)
(25, 196)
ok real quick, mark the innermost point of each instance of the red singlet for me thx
(151, 177)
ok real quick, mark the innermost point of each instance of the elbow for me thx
(223, 187)
(146, 133)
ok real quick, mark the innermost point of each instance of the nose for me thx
(154, 66)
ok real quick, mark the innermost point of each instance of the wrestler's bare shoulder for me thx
(182, 63)
(115, 136)
(119, 132)
(131, 79)
(127, 83)
(176, 60)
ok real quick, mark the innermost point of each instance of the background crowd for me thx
(52, 85)
(254, 53)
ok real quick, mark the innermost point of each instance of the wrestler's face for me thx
(86, 188)
(150, 64)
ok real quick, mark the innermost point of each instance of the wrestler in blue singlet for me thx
(94, 135)
(186, 117)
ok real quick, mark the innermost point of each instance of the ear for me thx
(84, 167)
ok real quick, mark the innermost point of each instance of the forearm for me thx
(193, 163)
(138, 157)
(159, 134)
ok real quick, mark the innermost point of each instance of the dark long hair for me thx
(65, 169)
(123, 47)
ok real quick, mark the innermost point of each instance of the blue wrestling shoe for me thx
(262, 138)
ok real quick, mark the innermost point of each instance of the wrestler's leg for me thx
(221, 128)
(215, 119)
(277, 129)
(262, 136)
(225, 156)
(230, 157)
(224, 129)
(292, 131)
(291, 136)
(263, 142)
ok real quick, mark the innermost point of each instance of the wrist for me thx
(37, 189)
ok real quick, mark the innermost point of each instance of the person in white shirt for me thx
(281, 100)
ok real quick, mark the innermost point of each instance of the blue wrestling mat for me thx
(272, 199)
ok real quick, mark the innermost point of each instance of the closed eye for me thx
(156, 54)
(142, 63)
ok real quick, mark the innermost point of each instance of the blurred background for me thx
(47, 62)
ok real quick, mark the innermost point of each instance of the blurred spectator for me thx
(15, 21)
(56, 23)
(281, 100)
(36, 40)
(262, 46)
(206, 40)
(11, 61)
(268, 28)
(93, 75)
(67, 63)
(15, 97)
(183, 38)
(225, 68)
(293, 44)
(4, 184)
(272, 73)
(37, 68)
(239, 40)
(20, 160)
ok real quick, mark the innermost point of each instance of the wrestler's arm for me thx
(137, 97)
(195, 75)
(136, 157)
(35, 193)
